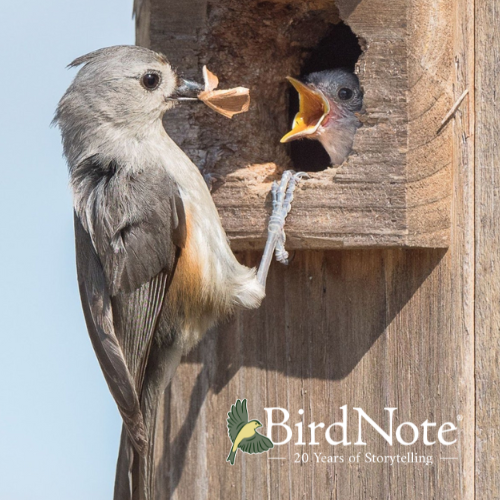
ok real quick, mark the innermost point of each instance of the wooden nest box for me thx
(394, 189)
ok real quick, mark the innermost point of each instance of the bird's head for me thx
(121, 89)
(256, 424)
(328, 103)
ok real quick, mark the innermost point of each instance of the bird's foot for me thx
(282, 196)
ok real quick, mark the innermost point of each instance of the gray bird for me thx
(328, 103)
(154, 267)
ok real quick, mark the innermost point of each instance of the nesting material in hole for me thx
(339, 48)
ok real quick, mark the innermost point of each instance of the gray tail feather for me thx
(124, 469)
(134, 474)
(146, 465)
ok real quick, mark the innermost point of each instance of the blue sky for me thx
(59, 427)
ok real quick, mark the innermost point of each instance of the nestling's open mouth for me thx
(313, 108)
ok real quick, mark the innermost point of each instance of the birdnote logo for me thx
(243, 433)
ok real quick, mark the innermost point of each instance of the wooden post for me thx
(388, 321)
(487, 247)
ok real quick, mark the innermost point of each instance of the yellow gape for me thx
(313, 108)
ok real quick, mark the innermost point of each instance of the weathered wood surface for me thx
(394, 190)
(370, 328)
(487, 237)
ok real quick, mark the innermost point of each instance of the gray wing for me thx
(127, 250)
(137, 224)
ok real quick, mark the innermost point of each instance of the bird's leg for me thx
(282, 196)
(280, 252)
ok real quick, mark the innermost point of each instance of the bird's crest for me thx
(123, 50)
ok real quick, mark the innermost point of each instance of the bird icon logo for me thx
(243, 433)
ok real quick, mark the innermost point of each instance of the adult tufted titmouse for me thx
(328, 103)
(155, 270)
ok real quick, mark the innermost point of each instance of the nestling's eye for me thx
(345, 94)
(151, 81)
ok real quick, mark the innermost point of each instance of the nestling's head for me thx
(121, 90)
(328, 103)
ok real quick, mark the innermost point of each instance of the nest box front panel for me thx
(394, 189)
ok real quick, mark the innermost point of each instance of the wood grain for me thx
(394, 189)
(361, 328)
(371, 328)
(487, 236)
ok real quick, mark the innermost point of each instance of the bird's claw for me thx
(282, 196)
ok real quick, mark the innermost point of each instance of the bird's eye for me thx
(150, 81)
(345, 94)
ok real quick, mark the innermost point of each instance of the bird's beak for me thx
(187, 90)
(313, 108)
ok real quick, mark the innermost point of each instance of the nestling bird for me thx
(154, 266)
(243, 434)
(328, 103)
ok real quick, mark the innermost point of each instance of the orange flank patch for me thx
(185, 293)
